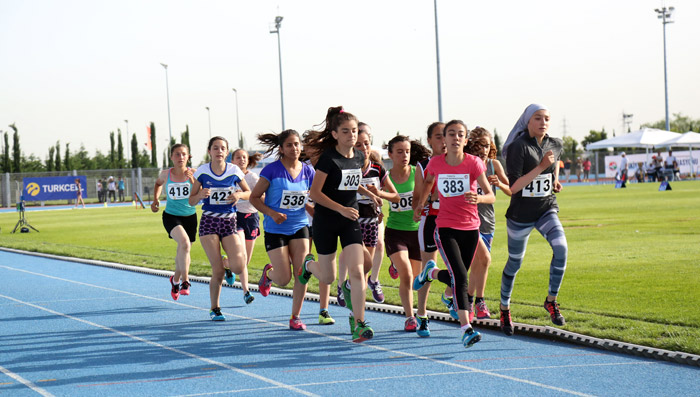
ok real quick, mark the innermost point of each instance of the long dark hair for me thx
(216, 138)
(322, 138)
(432, 126)
(418, 151)
(274, 141)
(475, 135)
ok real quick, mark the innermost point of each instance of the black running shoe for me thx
(553, 309)
(506, 322)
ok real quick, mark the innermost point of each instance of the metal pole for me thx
(209, 116)
(238, 129)
(167, 91)
(278, 25)
(665, 14)
(437, 56)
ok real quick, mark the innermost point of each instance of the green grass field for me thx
(633, 269)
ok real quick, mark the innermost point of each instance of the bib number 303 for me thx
(350, 179)
(541, 186)
(453, 185)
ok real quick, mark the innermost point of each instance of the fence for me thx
(139, 180)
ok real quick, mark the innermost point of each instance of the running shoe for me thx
(393, 272)
(346, 292)
(423, 331)
(351, 320)
(229, 276)
(506, 322)
(470, 311)
(341, 297)
(553, 309)
(185, 288)
(482, 311)
(470, 337)
(174, 289)
(216, 314)
(377, 293)
(324, 318)
(265, 282)
(296, 324)
(450, 306)
(362, 332)
(410, 325)
(248, 298)
(424, 276)
(305, 275)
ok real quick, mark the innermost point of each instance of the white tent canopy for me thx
(644, 138)
(689, 139)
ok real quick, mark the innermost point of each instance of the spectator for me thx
(672, 164)
(561, 167)
(658, 165)
(650, 171)
(579, 169)
(112, 187)
(121, 188)
(100, 197)
(567, 170)
(639, 173)
(586, 169)
(623, 169)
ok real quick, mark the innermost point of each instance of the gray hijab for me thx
(521, 125)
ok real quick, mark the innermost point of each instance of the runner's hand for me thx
(279, 217)
(349, 213)
(155, 204)
(548, 159)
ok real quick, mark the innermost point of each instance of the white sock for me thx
(465, 328)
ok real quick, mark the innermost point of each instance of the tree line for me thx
(61, 158)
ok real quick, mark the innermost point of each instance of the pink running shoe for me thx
(296, 324)
(393, 272)
(411, 325)
(470, 311)
(185, 288)
(174, 289)
(482, 311)
(265, 282)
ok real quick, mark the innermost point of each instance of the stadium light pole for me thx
(665, 15)
(238, 129)
(167, 92)
(209, 117)
(278, 25)
(437, 56)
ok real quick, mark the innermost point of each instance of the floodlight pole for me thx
(209, 117)
(278, 24)
(665, 15)
(437, 56)
(167, 91)
(238, 128)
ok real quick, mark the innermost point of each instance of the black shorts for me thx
(189, 223)
(327, 230)
(402, 240)
(275, 240)
(249, 223)
(425, 234)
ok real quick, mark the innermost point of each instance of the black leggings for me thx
(457, 248)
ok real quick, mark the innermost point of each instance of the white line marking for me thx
(172, 349)
(365, 345)
(25, 382)
(574, 366)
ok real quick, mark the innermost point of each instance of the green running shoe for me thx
(351, 320)
(305, 275)
(347, 294)
(362, 332)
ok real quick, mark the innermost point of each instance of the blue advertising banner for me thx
(53, 188)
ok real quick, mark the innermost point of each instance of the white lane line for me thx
(172, 349)
(365, 345)
(574, 366)
(25, 382)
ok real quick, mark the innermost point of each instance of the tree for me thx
(6, 167)
(67, 159)
(134, 152)
(171, 144)
(679, 123)
(497, 140)
(49, 162)
(82, 160)
(57, 166)
(16, 152)
(570, 148)
(594, 136)
(165, 159)
(120, 150)
(112, 152)
(241, 141)
(32, 164)
(154, 151)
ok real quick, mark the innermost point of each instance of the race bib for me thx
(541, 186)
(218, 195)
(404, 204)
(365, 182)
(350, 179)
(293, 200)
(452, 185)
(178, 191)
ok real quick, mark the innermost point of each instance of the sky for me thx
(74, 70)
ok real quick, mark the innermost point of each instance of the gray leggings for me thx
(518, 234)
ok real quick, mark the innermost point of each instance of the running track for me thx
(74, 329)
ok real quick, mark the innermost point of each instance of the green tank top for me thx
(401, 213)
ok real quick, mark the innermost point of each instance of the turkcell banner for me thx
(53, 188)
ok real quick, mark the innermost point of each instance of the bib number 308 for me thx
(541, 186)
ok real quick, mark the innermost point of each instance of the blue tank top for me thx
(287, 195)
(178, 194)
(220, 187)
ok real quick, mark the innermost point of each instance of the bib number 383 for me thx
(453, 185)
(218, 195)
(350, 179)
(541, 186)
